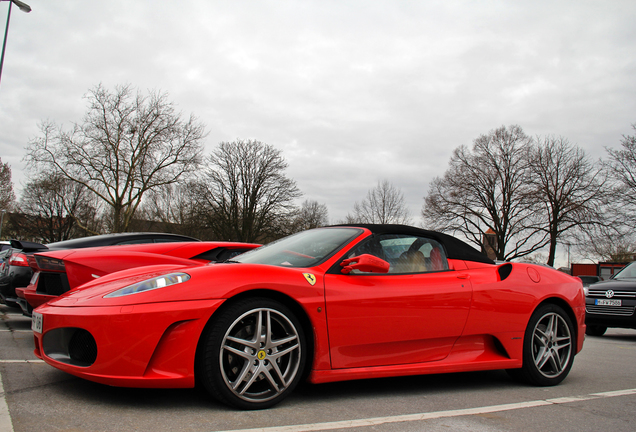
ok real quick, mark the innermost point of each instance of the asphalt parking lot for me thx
(599, 394)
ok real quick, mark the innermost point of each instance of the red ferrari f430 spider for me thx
(328, 304)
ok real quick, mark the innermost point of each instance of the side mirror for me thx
(366, 263)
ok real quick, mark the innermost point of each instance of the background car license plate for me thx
(603, 302)
(36, 322)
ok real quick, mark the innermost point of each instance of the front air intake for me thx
(73, 346)
(82, 348)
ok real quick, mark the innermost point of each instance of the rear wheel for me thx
(548, 347)
(253, 354)
(595, 330)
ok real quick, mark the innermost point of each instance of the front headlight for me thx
(586, 291)
(150, 284)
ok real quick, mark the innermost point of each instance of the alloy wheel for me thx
(260, 355)
(551, 345)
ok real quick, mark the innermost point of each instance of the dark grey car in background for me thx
(611, 303)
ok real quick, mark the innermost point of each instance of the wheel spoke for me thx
(249, 383)
(284, 352)
(556, 361)
(247, 343)
(279, 373)
(539, 334)
(560, 347)
(268, 330)
(283, 341)
(258, 335)
(272, 381)
(563, 341)
(238, 352)
(242, 375)
(543, 358)
(541, 340)
(552, 326)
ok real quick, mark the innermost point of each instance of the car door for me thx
(412, 314)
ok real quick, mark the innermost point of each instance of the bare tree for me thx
(245, 191)
(613, 240)
(54, 208)
(177, 206)
(621, 167)
(7, 196)
(567, 187)
(606, 243)
(126, 145)
(383, 204)
(311, 214)
(486, 188)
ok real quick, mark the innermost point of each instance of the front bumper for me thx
(148, 345)
(623, 316)
(25, 306)
(29, 299)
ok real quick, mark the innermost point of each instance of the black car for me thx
(17, 272)
(611, 303)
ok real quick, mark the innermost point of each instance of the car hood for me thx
(615, 285)
(212, 281)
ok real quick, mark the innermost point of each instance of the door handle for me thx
(463, 276)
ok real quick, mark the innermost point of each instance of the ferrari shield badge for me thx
(310, 278)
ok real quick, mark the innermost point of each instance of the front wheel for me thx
(252, 354)
(548, 347)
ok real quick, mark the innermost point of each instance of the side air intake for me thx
(504, 271)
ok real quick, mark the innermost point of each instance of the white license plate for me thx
(36, 322)
(603, 302)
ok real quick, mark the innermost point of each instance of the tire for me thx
(595, 330)
(247, 368)
(548, 347)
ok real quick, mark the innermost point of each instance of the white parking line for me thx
(5, 418)
(347, 424)
(22, 361)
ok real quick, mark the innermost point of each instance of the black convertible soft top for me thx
(455, 248)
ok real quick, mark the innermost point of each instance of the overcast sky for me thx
(352, 92)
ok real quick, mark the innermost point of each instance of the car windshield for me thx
(627, 272)
(305, 249)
